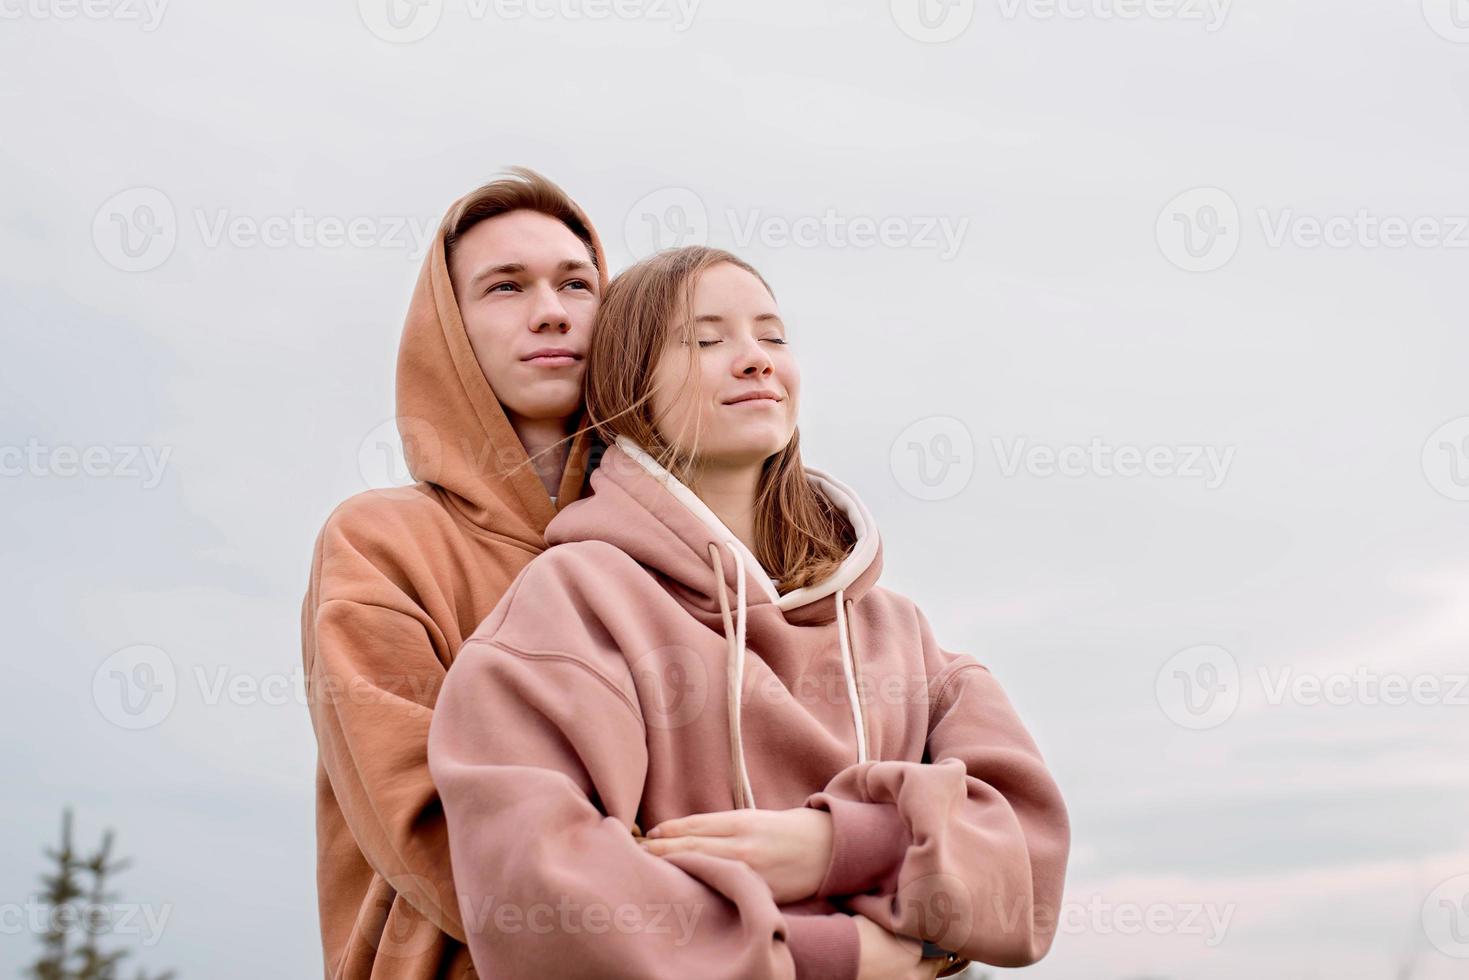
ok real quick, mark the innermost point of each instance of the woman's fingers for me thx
(714, 846)
(697, 824)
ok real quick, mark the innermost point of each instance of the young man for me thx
(489, 382)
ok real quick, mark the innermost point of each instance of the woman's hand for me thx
(887, 956)
(790, 849)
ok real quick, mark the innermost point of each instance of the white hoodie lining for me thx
(837, 492)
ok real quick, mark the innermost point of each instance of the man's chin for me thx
(561, 408)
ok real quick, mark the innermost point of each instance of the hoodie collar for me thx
(645, 510)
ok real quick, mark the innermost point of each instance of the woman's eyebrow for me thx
(716, 318)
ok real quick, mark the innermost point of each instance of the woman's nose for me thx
(754, 360)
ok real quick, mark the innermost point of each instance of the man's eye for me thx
(582, 283)
(499, 285)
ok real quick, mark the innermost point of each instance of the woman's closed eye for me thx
(765, 340)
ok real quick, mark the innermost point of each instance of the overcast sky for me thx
(1139, 326)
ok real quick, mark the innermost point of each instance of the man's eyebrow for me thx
(516, 268)
(503, 269)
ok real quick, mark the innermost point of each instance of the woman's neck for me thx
(730, 492)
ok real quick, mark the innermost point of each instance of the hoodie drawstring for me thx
(734, 663)
(849, 667)
(734, 632)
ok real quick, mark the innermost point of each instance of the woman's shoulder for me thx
(889, 603)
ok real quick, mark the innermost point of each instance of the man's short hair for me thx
(522, 189)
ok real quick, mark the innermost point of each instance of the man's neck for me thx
(730, 493)
(539, 435)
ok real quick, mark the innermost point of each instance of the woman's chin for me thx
(746, 448)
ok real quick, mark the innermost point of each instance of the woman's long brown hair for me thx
(800, 537)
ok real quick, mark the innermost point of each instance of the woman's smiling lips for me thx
(762, 397)
(552, 357)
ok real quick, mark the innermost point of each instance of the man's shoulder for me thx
(384, 533)
(390, 515)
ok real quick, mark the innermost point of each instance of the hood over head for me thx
(455, 432)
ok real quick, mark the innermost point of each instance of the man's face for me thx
(528, 294)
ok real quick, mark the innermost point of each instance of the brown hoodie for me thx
(398, 579)
(597, 696)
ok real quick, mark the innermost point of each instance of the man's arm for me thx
(372, 677)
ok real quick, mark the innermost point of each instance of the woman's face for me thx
(745, 387)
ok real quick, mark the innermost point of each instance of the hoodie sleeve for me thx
(372, 674)
(967, 849)
(531, 751)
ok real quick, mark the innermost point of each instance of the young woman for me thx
(705, 652)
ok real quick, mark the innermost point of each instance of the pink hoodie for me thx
(596, 696)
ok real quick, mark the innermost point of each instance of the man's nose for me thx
(549, 313)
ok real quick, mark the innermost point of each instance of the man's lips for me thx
(552, 357)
